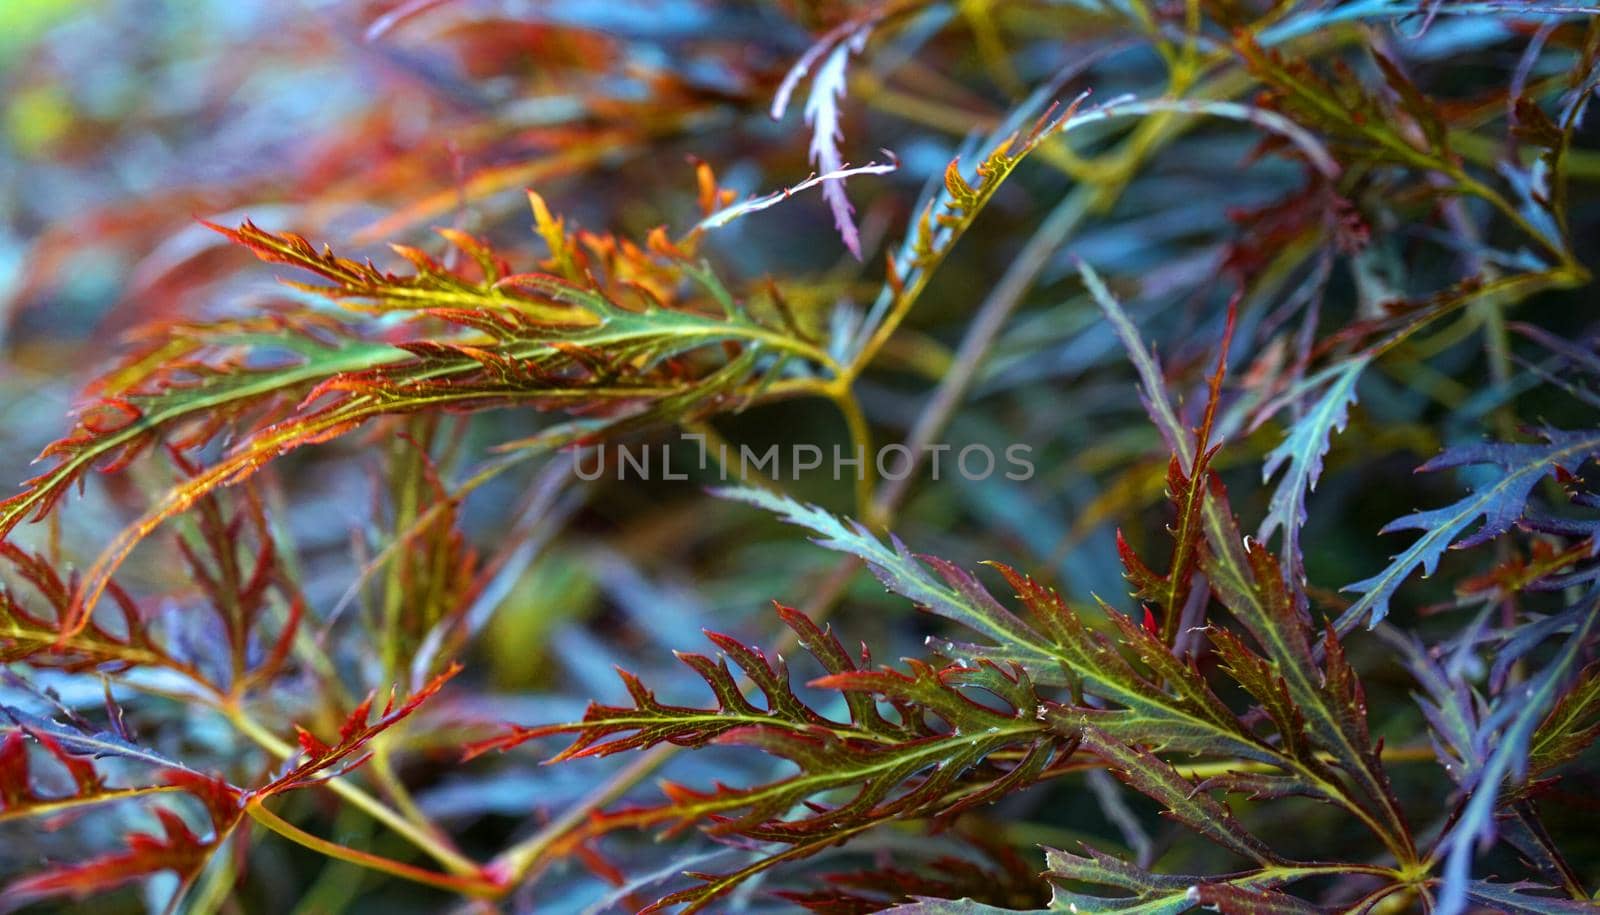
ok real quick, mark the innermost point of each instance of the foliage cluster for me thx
(307, 594)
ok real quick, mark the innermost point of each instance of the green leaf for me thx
(1329, 699)
(954, 907)
(934, 759)
(1179, 797)
(1571, 727)
(1146, 893)
(951, 594)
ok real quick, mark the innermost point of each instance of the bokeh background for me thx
(361, 123)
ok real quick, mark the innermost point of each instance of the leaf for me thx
(18, 795)
(962, 906)
(361, 285)
(945, 217)
(947, 591)
(670, 355)
(1225, 897)
(1499, 502)
(1152, 386)
(187, 384)
(1570, 728)
(1189, 488)
(34, 636)
(1251, 585)
(1301, 452)
(1365, 126)
(1411, 131)
(1423, 111)
(1001, 880)
(1260, 678)
(1225, 561)
(1175, 710)
(1147, 893)
(933, 760)
(233, 562)
(1329, 700)
(1505, 732)
(1137, 711)
(1060, 649)
(828, 85)
(1514, 899)
(1447, 702)
(1178, 796)
(178, 848)
(78, 738)
(320, 761)
(744, 208)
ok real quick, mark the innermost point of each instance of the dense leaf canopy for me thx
(1187, 410)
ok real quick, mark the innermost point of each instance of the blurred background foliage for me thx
(363, 123)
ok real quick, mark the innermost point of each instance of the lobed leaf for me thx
(1505, 733)
(683, 349)
(1570, 728)
(1300, 457)
(934, 759)
(1146, 893)
(319, 760)
(1500, 502)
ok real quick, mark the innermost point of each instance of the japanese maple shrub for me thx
(339, 581)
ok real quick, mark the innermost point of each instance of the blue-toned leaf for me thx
(1513, 899)
(1301, 452)
(1446, 702)
(96, 744)
(1500, 503)
(952, 594)
(1508, 729)
(1152, 387)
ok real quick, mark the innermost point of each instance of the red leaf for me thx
(353, 735)
(178, 850)
(1150, 624)
(313, 747)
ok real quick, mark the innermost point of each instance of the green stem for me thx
(451, 859)
(844, 396)
(469, 885)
